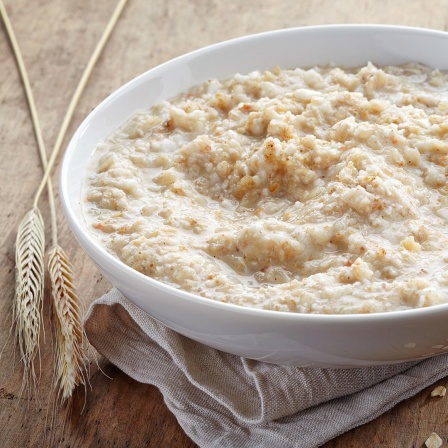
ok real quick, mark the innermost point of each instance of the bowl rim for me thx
(82, 233)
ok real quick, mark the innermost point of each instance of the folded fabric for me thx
(222, 400)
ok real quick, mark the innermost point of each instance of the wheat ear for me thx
(68, 321)
(30, 248)
(27, 314)
(70, 365)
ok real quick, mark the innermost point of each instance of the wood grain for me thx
(57, 38)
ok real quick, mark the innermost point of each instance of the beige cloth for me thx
(222, 400)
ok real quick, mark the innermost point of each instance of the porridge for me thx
(312, 191)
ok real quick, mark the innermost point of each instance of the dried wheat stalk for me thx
(30, 248)
(70, 363)
(75, 98)
(70, 359)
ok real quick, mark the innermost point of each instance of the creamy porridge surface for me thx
(313, 191)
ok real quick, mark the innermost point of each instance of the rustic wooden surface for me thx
(57, 38)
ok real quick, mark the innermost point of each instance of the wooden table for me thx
(57, 38)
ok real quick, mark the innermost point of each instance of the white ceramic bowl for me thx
(284, 338)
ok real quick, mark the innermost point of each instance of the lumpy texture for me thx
(313, 191)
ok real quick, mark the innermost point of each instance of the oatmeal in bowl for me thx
(288, 206)
(318, 190)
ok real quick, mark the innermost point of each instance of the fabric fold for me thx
(222, 400)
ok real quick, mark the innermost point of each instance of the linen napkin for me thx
(222, 400)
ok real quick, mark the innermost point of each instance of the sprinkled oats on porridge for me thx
(312, 191)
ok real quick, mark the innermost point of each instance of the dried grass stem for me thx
(75, 98)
